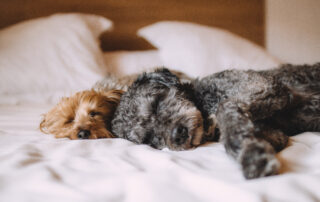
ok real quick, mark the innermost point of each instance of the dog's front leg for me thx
(256, 156)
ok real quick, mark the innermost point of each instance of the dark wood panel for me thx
(245, 17)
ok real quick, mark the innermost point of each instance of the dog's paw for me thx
(259, 160)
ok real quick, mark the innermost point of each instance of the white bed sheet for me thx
(37, 167)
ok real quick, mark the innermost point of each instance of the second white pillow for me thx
(200, 50)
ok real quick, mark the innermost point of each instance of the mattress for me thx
(38, 167)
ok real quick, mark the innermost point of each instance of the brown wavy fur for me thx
(86, 110)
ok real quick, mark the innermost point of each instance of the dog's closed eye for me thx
(147, 137)
(94, 113)
(69, 120)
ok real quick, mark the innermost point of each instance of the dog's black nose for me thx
(83, 134)
(179, 135)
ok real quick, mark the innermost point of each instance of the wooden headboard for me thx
(243, 17)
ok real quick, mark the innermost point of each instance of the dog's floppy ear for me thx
(113, 95)
(159, 76)
(42, 125)
(188, 90)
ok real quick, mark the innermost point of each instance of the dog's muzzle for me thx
(84, 134)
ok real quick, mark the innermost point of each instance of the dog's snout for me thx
(83, 134)
(179, 135)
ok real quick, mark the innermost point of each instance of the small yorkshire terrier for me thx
(85, 115)
(88, 114)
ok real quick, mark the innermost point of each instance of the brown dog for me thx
(85, 115)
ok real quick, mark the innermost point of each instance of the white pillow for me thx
(51, 56)
(200, 50)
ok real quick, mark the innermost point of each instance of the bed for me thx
(45, 55)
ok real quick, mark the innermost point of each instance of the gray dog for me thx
(251, 112)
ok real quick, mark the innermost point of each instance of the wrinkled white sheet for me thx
(37, 167)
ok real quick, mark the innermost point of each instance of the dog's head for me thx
(158, 110)
(85, 115)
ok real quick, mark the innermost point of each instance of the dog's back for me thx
(303, 81)
(297, 76)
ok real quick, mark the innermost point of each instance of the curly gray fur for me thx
(111, 82)
(251, 112)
